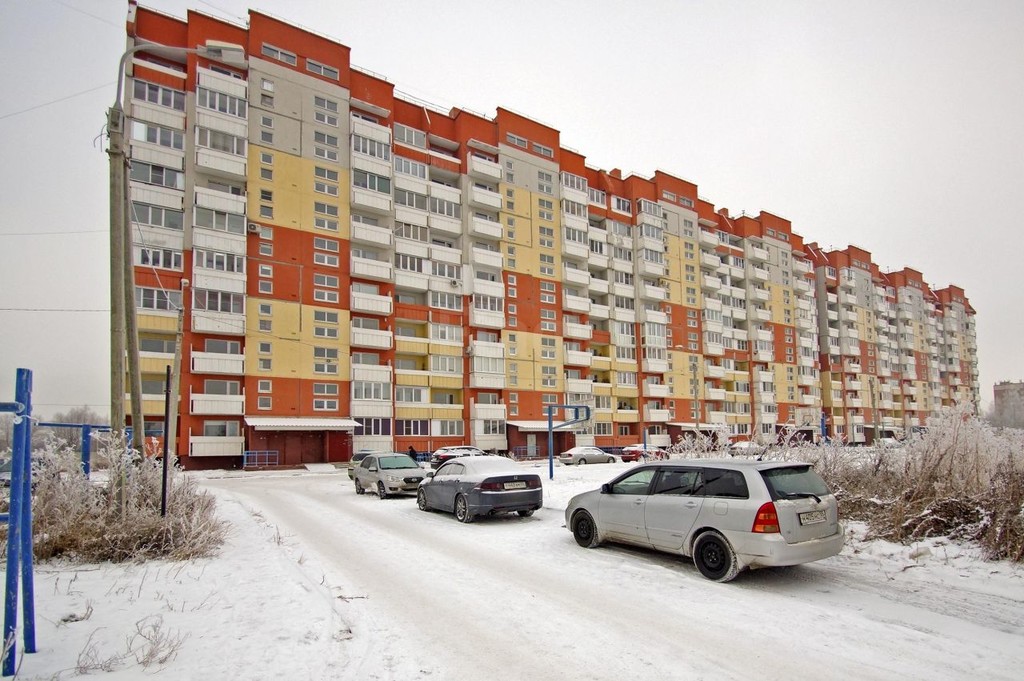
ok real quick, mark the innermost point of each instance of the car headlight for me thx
(393, 478)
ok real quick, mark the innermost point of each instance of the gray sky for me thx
(894, 126)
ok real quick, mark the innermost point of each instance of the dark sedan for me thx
(474, 486)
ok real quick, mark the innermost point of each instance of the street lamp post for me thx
(123, 332)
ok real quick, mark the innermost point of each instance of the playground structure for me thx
(19, 527)
(19, 566)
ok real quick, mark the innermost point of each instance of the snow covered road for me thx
(427, 597)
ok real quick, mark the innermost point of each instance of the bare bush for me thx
(119, 519)
(961, 479)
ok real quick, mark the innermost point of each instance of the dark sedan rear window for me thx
(794, 481)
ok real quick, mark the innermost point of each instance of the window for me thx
(279, 54)
(163, 258)
(218, 101)
(159, 175)
(324, 138)
(622, 205)
(157, 299)
(407, 166)
(412, 199)
(543, 150)
(410, 136)
(364, 145)
(264, 402)
(216, 260)
(158, 94)
(325, 208)
(544, 182)
(517, 140)
(321, 69)
(218, 301)
(219, 220)
(377, 183)
(155, 134)
(157, 216)
(220, 141)
(220, 429)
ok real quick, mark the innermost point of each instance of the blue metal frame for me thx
(576, 409)
(19, 526)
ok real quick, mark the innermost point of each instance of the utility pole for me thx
(171, 420)
(116, 152)
(131, 329)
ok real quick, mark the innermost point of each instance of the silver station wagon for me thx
(729, 515)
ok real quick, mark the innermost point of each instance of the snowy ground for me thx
(318, 583)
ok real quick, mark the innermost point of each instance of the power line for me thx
(82, 11)
(50, 309)
(55, 101)
(77, 231)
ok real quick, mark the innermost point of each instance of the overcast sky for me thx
(894, 126)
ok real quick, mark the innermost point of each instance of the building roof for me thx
(295, 423)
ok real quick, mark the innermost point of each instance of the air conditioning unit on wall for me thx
(253, 228)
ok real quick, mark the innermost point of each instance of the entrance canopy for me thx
(538, 426)
(299, 423)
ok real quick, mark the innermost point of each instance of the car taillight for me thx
(490, 486)
(533, 483)
(767, 519)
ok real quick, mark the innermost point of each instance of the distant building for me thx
(368, 271)
(1008, 404)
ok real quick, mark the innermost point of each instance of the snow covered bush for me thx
(961, 479)
(116, 515)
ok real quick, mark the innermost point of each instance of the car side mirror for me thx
(429, 474)
(606, 488)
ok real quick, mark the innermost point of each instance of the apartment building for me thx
(894, 349)
(367, 271)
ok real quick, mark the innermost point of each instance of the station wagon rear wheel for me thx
(359, 488)
(584, 530)
(462, 513)
(714, 557)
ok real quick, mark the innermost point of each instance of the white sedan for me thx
(585, 454)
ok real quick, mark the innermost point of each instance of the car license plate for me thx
(515, 485)
(812, 517)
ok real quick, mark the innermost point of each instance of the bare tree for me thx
(77, 415)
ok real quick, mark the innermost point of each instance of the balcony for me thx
(370, 130)
(583, 386)
(758, 274)
(217, 363)
(711, 283)
(715, 394)
(220, 163)
(484, 198)
(655, 366)
(371, 234)
(207, 321)
(218, 200)
(478, 379)
(482, 168)
(204, 445)
(808, 400)
(578, 358)
(485, 258)
(379, 270)
(656, 415)
(713, 349)
(579, 331)
(481, 227)
(757, 254)
(656, 390)
(372, 303)
(371, 338)
(212, 404)
(599, 311)
(757, 293)
(576, 303)
(372, 201)
(489, 412)
(710, 260)
(487, 318)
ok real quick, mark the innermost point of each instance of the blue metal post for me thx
(551, 444)
(86, 449)
(28, 611)
(20, 507)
